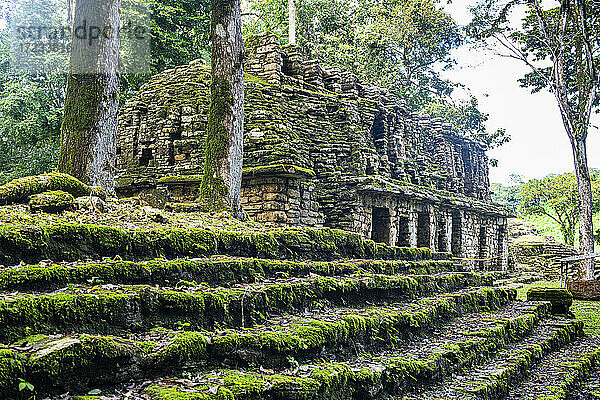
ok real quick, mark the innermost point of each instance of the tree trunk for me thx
(292, 22)
(222, 179)
(584, 189)
(89, 128)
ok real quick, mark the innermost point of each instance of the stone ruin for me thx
(321, 148)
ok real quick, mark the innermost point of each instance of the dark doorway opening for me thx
(424, 230)
(403, 232)
(146, 157)
(456, 233)
(380, 231)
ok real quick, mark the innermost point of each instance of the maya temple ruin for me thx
(321, 148)
(148, 297)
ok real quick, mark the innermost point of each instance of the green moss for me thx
(186, 346)
(561, 299)
(81, 310)
(77, 241)
(20, 189)
(165, 393)
(12, 368)
(213, 190)
(180, 179)
(279, 170)
(555, 295)
(52, 201)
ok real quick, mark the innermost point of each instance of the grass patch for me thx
(584, 310)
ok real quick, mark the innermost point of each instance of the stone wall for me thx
(321, 147)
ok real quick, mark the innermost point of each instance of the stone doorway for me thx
(380, 231)
(456, 234)
(424, 230)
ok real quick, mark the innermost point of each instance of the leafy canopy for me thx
(394, 44)
(560, 44)
(555, 196)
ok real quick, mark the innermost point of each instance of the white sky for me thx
(539, 145)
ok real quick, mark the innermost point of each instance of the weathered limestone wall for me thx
(329, 149)
(283, 200)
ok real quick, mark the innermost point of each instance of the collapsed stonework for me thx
(321, 148)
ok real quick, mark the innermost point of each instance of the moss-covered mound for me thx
(20, 189)
(561, 299)
(52, 201)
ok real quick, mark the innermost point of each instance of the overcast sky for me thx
(539, 144)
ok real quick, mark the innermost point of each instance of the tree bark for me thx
(292, 22)
(89, 128)
(222, 178)
(584, 189)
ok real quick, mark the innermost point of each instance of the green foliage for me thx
(394, 44)
(555, 196)
(30, 119)
(509, 196)
(467, 120)
(31, 105)
(24, 385)
(574, 60)
(179, 32)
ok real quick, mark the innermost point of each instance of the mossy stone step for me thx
(113, 308)
(341, 332)
(63, 361)
(365, 377)
(493, 379)
(214, 270)
(70, 242)
(561, 299)
(555, 376)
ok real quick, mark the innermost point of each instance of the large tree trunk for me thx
(89, 129)
(292, 22)
(584, 189)
(222, 179)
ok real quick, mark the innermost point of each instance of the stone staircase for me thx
(542, 259)
(284, 314)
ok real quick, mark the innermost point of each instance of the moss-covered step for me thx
(218, 270)
(493, 379)
(561, 299)
(61, 361)
(111, 308)
(70, 242)
(340, 332)
(554, 377)
(470, 339)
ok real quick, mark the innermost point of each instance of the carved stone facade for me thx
(321, 148)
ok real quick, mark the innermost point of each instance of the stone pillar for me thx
(412, 227)
(444, 231)
(503, 244)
